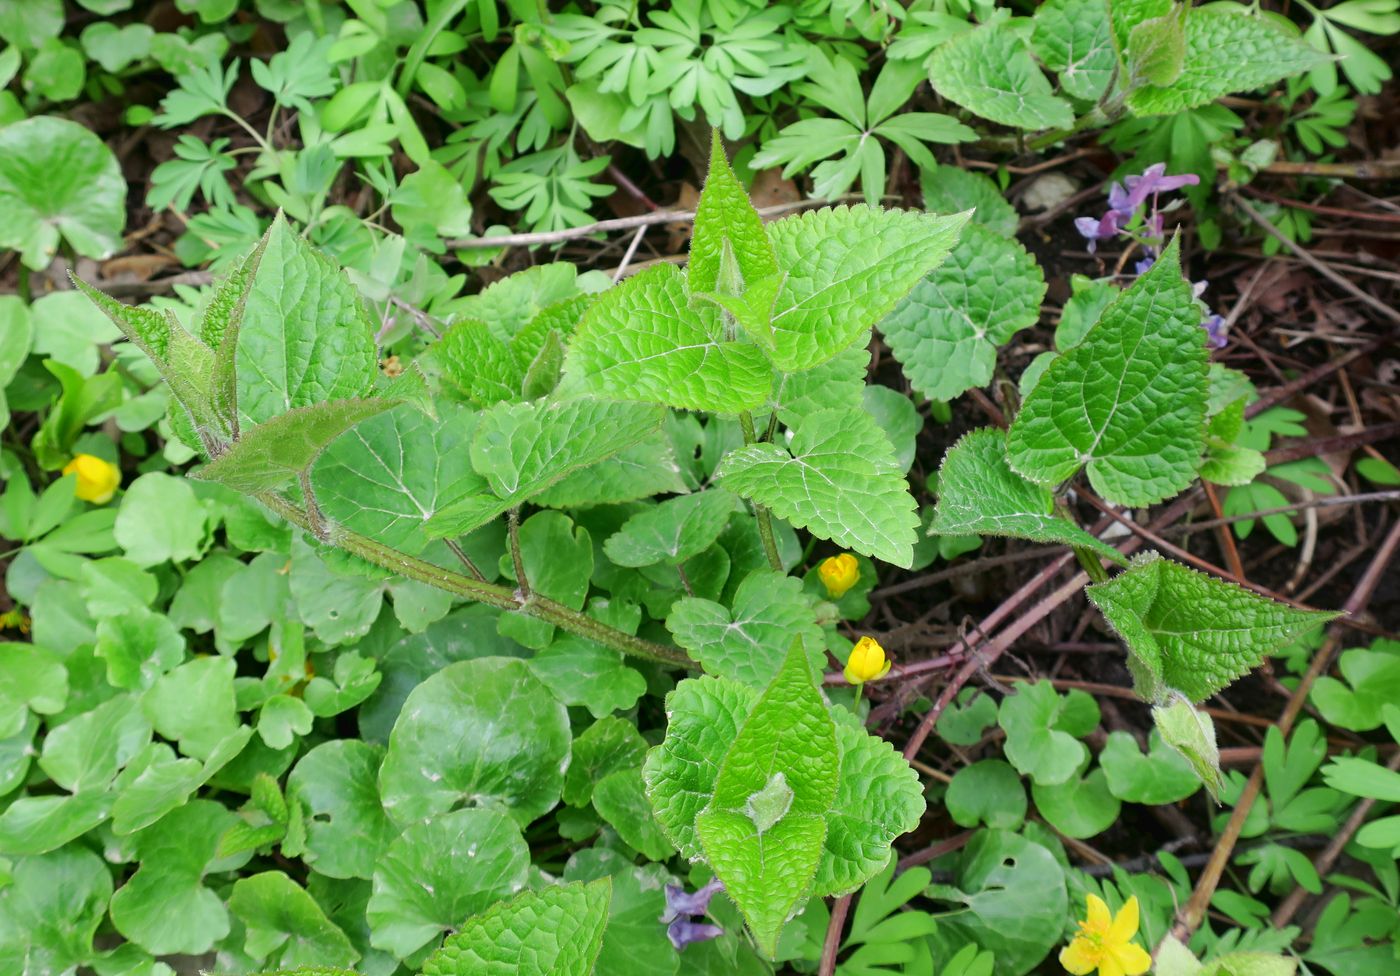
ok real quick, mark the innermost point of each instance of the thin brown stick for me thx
(1322, 501)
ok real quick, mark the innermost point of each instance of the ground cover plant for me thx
(426, 552)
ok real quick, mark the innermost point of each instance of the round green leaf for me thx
(346, 828)
(1078, 808)
(987, 792)
(50, 910)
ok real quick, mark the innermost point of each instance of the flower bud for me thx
(97, 479)
(867, 662)
(838, 574)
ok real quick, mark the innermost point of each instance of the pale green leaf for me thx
(1190, 632)
(50, 909)
(1128, 402)
(990, 72)
(670, 533)
(840, 480)
(1191, 732)
(846, 268)
(979, 494)
(945, 332)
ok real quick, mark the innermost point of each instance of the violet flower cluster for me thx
(683, 911)
(1124, 202)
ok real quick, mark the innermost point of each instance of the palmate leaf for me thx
(839, 479)
(1128, 402)
(989, 70)
(1192, 633)
(1226, 51)
(945, 332)
(979, 494)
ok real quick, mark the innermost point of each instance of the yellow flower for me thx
(97, 479)
(1106, 943)
(839, 574)
(867, 662)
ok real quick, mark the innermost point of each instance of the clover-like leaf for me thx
(57, 178)
(1042, 729)
(1190, 632)
(556, 930)
(979, 494)
(838, 478)
(487, 729)
(989, 71)
(1370, 681)
(945, 332)
(608, 745)
(1128, 402)
(1081, 807)
(620, 799)
(1160, 776)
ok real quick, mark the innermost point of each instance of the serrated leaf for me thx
(620, 799)
(556, 930)
(768, 867)
(979, 494)
(394, 471)
(305, 336)
(704, 716)
(670, 533)
(523, 448)
(1226, 51)
(1190, 632)
(643, 470)
(1074, 39)
(846, 268)
(745, 643)
(840, 480)
(477, 364)
(641, 341)
(1128, 402)
(945, 332)
(606, 746)
(1157, 48)
(878, 798)
(725, 219)
(948, 189)
(1191, 732)
(989, 71)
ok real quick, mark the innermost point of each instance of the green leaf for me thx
(486, 729)
(1080, 808)
(641, 341)
(608, 745)
(276, 452)
(839, 479)
(85, 753)
(1370, 681)
(846, 268)
(347, 828)
(725, 221)
(283, 921)
(1227, 50)
(1161, 776)
(945, 332)
(645, 469)
(523, 448)
(744, 644)
(305, 336)
(166, 782)
(704, 718)
(440, 871)
(878, 798)
(161, 520)
(1040, 733)
(558, 929)
(1073, 38)
(338, 606)
(584, 673)
(634, 944)
(673, 531)
(1157, 48)
(50, 908)
(1190, 632)
(194, 705)
(989, 71)
(948, 189)
(987, 792)
(1192, 733)
(979, 494)
(558, 560)
(620, 799)
(39, 824)
(768, 862)
(1128, 402)
(30, 677)
(57, 178)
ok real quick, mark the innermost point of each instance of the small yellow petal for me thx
(97, 480)
(1108, 966)
(867, 661)
(1079, 957)
(1133, 959)
(1099, 918)
(1125, 923)
(838, 574)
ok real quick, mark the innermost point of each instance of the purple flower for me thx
(682, 932)
(1135, 190)
(1098, 230)
(678, 902)
(1215, 331)
(1144, 265)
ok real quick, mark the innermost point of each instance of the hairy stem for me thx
(765, 520)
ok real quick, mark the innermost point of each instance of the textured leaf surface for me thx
(642, 341)
(724, 219)
(1075, 40)
(673, 531)
(768, 863)
(1128, 402)
(647, 468)
(556, 930)
(989, 71)
(945, 332)
(305, 336)
(487, 729)
(878, 798)
(620, 798)
(1191, 732)
(1191, 632)
(523, 448)
(1226, 52)
(846, 268)
(979, 494)
(704, 716)
(841, 482)
(748, 642)
(948, 189)
(393, 472)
